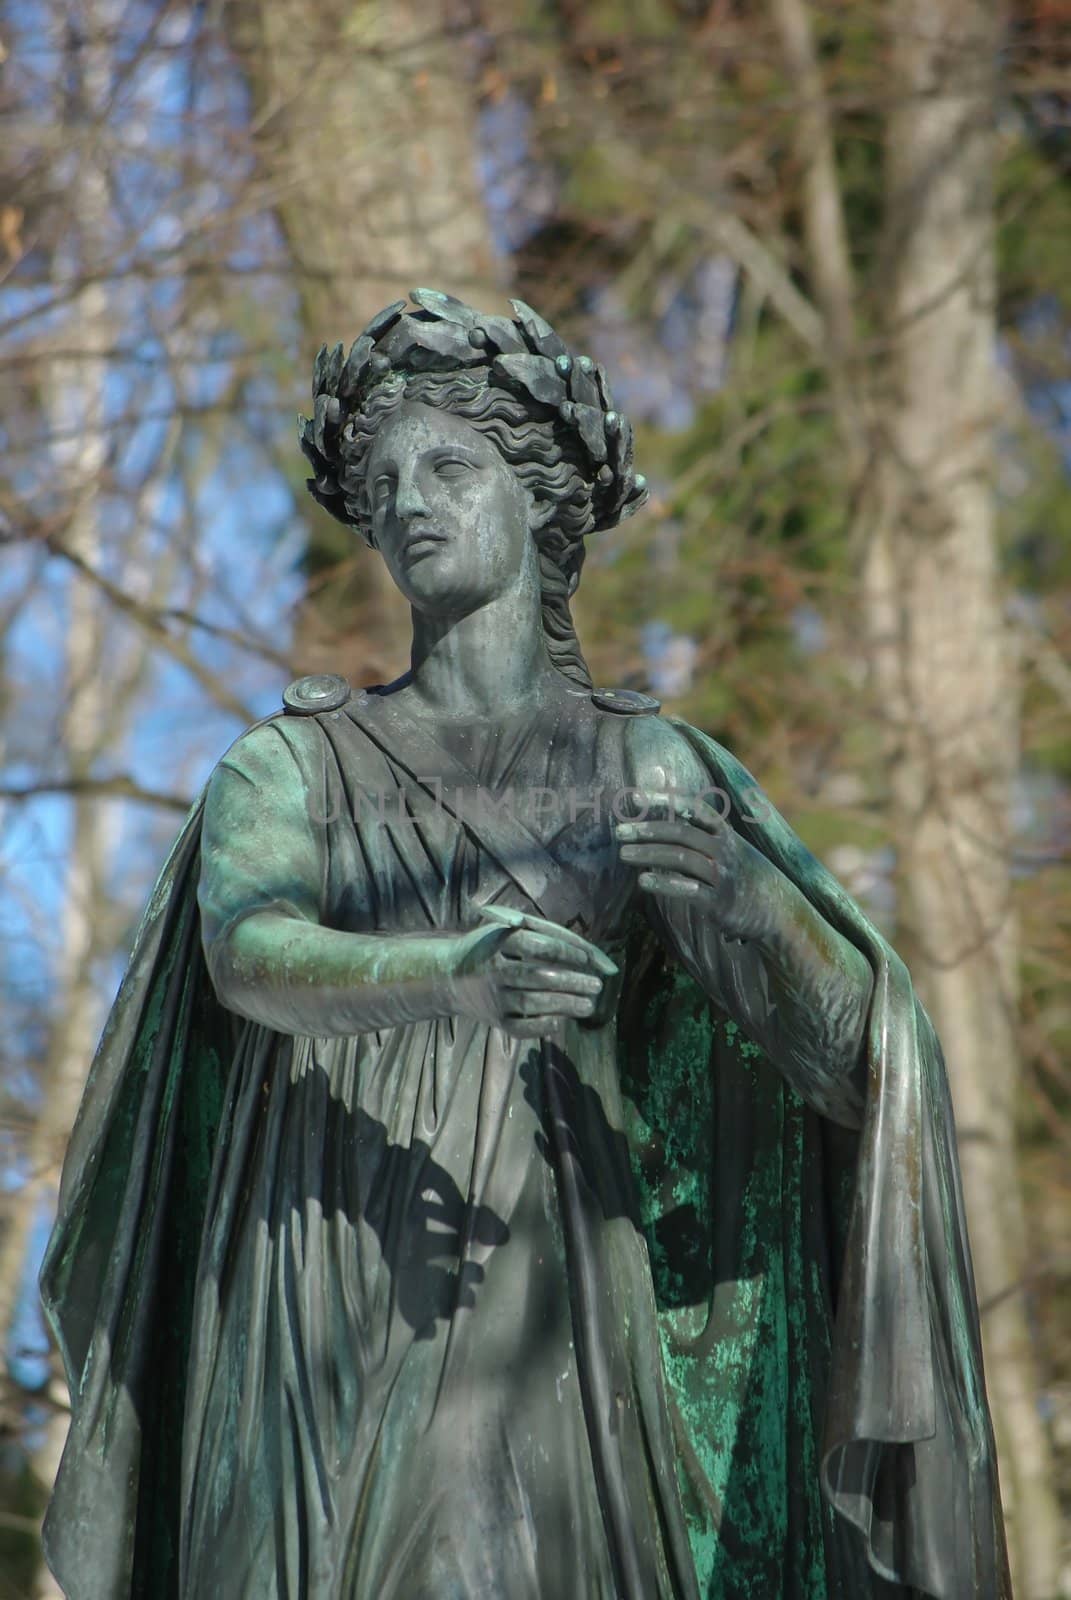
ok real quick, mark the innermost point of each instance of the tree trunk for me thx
(919, 426)
(366, 134)
(946, 678)
(83, 931)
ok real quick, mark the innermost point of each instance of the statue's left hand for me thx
(693, 853)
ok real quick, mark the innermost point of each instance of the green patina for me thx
(668, 1110)
(739, 1310)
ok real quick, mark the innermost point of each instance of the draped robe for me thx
(431, 1312)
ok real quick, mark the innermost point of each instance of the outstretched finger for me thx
(674, 858)
(685, 834)
(525, 946)
(524, 921)
(525, 976)
(653, 806)
(545, 1002)
(674, 886)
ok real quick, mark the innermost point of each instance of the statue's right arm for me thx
(301, 978)
(262, 896)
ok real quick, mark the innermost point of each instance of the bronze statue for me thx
(513, 1167)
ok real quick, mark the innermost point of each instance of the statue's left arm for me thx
(745, 932)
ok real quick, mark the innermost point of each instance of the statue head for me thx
(450, 413)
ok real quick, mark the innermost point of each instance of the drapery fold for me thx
(908, 1454)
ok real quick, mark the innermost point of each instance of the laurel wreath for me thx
(525, 356)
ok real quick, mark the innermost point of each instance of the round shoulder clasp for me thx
(320, 691)
(626, 702)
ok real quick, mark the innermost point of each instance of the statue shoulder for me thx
(282, 749)
(292, 728)
(661, 759)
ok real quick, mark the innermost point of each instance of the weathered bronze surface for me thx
(513, 1165)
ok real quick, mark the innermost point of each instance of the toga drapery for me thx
(429, 1313)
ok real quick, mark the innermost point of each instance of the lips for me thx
(423, 542)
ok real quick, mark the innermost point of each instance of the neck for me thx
(491, 661)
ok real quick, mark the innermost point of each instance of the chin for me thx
(436, 595)
(433, 588)
(447, 607)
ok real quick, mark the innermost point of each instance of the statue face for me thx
(449, 515)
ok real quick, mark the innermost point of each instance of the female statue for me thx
(513, 1166)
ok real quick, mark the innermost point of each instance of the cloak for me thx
(905, 1453)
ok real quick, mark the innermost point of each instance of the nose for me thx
(408, 500)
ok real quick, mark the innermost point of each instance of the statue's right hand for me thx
(525, 975)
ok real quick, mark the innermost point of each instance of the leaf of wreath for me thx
(502, 336)
(540, 334)
(590, 424)
(422, 345)
(442, 305)
(383, 320)
(308, 447)
(620, 445)
(319, 367)
(582, 386)
(326, 415)
(356, 368)
(535, 374)
(333, 368)
(605, 392)
(319, 418)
